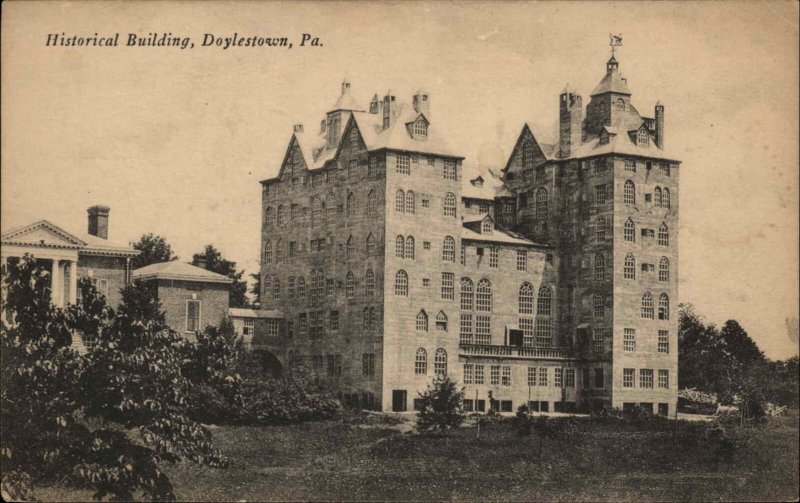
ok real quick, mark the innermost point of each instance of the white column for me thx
(56, 284)
(72, 294)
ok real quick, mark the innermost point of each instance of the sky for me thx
(175, 141)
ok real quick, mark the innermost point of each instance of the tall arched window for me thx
(350, 285)
(312, 294)
(399, 246)
(541, 203)
(663, 307)
(665, 199)
(268, 252)
(620, 104)
(440, 362)
(545, 302)
(352, 205)
(410, 200)
(351, 248)
(441, 322)
(301, 287)
(401, 283)
(629, 270)
(369, 284)
(599, 267)
(279, 251)
(647, 306)
(526, 298)
(267, 288)
(422, 321)
(449, 249)
(663, 234)
(657, 197)
(630, 230)
(483, 297)
(269, 215)
(400, 202)
(467, 294)
(449, 205)
(421, 362)
(409, 247)
(316, 211)
(276, 289)
(663, 270)
(370, 248)
(281, 215)
(330, 214)
(629, 193)
(600, 229)
(372, 203)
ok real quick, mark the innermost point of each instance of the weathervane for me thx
(614, 41)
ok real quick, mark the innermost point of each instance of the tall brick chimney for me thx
(570, 118)
(98, 220)
(660, 125)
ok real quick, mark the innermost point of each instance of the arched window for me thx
(409, 247)
(301, 287)
(663, 307)
(316, 211)
(267, 285)
(629, 270)
(545, 302)
(399, 246)
(600, 229)
(526, 298)
(467, 294)
(663, 235)
(268, 252)
(647, 306)
(370, 248)
(599, 267)
(440, 362)
(269, 215)
(657, 197)
(369, 284)
(598, 306)
(441, 322)
(665, 199)
(629, 193)
(401, 283)
(400, 202)
(420, 129)
(663, 270)
(620, 104)
(422, 321)
(410, 200)
(449, 249)
(483, 297)
(352, 205)
(351, 248)
(276, 289)
(541, 203)
(372, 203)
(330, 214)
(350, 285)
(281, 215)
(449, 205)
(643, 137)
(630, 230)
(312, 294)
(421, 362)
(279, 251)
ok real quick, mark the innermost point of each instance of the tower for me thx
(570, 120)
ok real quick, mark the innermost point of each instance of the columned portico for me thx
(63, 261)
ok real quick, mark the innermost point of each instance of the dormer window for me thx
(420, 129)
(478, 182)
(643, 138)
(486, 226)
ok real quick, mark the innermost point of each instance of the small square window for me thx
(426, 282)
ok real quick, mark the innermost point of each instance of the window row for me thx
(629, 340)
(645, 378)
(280, 250)
(332, 365)
(629, 232)
(629, 268)
(314, 324)
(539, 200)
(422, 321)
(317, 288)
(323, 213)
(648, 310)
(403, 162)
(439, 362)
(661, 197)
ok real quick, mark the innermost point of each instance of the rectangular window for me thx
(506, 376)
(663, 378)
(333, 321)
(597, 340)
(494, 257)
(495, 375)
(249, 326)
(292, 248)
(663, 168)
(403, 165)
(465, 336)
(627, 378)
(448, 288)
(290, 287)
(630, 165)
(532, 376)
(598, 306)
(569, 378)
(663, 341)
(372, 169)
(449, 170)
(629, 339)
(426, 245)
(522, 260)
(483, 330)
(329, 286)
(600, 194)
(645, 378)
(431, 160)
(663, 409)
(558, 377)
(302, 324)
(368, 365)
(352, 170)
(469, 373)
(479, 375)
(426, 282)
(272, 328)
(544, 331)
(425, 201)
(543, 376)
(598, 378)
(192, 315)
(506, 406)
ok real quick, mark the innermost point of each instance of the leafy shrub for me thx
(282, 401)
(440, 406)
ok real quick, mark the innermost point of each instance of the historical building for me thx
(549, 281)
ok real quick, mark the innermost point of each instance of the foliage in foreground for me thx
(440, 406)
(105, 420)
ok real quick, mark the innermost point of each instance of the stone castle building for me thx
(551, 283)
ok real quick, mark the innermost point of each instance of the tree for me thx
(106, 419)
(155, 249)
(256, 288)
(213, 260)
(440, 406)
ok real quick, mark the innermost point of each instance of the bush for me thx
(440, 407)
(282, 401)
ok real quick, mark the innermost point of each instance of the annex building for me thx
(549, 281)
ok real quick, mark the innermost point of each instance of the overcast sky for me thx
(175, 141)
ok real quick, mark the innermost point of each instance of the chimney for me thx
(98, 221)
(298, 128)
(422, 103)
(375, 105)
(570, 115)
(659, 125)
(199, 260)
(389, 110)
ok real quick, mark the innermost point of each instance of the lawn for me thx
(587, 460)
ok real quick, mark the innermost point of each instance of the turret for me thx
(570, 118)
(659, 125)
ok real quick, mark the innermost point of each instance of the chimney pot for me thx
(298, 128)
(98, 220)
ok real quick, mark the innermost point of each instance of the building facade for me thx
(548, 282)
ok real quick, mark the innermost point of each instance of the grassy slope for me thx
(334, 461)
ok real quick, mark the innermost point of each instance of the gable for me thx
(294, 161)
(515, 161)
(43, 233)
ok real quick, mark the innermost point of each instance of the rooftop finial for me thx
(614, 41)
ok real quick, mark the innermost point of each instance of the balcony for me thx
(526, 353)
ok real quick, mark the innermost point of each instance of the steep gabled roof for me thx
(548, 151)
